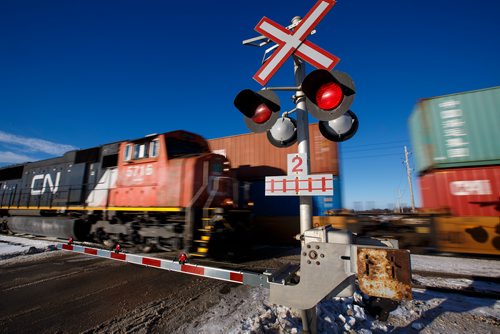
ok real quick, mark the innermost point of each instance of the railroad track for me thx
(467, 285)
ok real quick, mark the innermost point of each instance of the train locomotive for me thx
(165, 191)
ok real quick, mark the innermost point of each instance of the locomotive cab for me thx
(182, 188)
(171, 170)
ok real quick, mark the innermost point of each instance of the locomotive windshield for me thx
(177, 148)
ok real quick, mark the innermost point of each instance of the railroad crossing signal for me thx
(329, 93)
(295, 42)
(329, 96)
(329, 258)
(260, 109)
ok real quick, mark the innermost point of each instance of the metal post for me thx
(302, 139)
(308, 316)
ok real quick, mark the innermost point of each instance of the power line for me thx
(372, 149)
(371, 156)
(384, 143)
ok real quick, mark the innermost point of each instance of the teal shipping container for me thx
(457, 130)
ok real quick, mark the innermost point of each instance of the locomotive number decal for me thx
(138, 172)
(40, 183)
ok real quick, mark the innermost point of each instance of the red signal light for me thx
(260, 109)
(329, 96)
(262, 114)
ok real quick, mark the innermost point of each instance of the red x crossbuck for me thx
(295, 41)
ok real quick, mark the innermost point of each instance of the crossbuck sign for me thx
(295, 42)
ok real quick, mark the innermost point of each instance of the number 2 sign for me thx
(298, 182)
(297, 164)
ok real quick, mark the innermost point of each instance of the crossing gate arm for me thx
(241, 277)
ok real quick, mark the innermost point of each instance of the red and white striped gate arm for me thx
(241, 277)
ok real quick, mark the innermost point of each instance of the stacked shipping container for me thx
(456, 141)
(253, 158)
(472, 191)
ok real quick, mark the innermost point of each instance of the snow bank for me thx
(246, 310)
(11, 247)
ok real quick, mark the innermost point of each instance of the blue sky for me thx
(85, 73)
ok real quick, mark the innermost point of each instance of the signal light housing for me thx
(260, 109)
(283, 133)
(329, 94)
(341, 128)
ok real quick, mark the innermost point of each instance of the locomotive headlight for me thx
(227, 202)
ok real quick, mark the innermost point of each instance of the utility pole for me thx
(408, 173)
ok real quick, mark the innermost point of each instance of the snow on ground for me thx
(246, 310)
(12, 247)
(456, 265)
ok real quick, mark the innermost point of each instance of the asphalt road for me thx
(70, 293)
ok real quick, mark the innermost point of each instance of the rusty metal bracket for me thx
(384, 272)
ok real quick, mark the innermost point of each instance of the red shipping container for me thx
(255, 157)
(473, 191)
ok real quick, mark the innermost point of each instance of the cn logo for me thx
(40, 183)
(470, 187)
